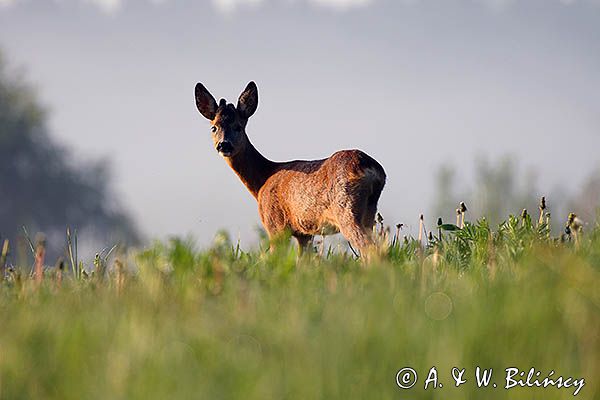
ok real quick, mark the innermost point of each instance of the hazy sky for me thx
(413, 83)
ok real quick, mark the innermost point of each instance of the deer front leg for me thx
(273, 220)
(304, 242)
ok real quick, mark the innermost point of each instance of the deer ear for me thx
(248, 101)
(205, 102)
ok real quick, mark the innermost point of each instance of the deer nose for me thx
(224, 147)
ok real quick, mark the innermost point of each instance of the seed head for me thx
(379, 218)
(571, 218)
(524, 213)
(40, 239)
(463, 207)
(440, 222)
(574, 223)
(543, 203)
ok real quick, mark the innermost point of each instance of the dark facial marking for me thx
(230, 136)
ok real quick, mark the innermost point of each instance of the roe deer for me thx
(336, 194)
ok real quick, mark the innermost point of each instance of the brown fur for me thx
(336, 194)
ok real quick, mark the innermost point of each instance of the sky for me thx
(414, 83)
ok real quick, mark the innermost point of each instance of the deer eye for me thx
(213, 129)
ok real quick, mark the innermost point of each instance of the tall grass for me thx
(172, 321)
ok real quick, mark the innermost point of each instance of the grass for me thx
(173, 321)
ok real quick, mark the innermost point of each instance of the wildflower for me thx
(543, 203)
(542, 207)
(574, 223)
(460, 212)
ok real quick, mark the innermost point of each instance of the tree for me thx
(41, 187)
(587, 203)
(499, 189)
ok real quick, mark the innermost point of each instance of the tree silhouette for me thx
(587, 202)
(500, 188)
(41, 186)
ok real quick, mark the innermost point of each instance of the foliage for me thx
(499, 187)
(41, 186)
(587, 202)
(172, 321)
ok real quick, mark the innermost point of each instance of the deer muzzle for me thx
(225, 148)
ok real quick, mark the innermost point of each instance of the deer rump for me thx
(323, 197)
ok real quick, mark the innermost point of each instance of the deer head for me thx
(228, 122)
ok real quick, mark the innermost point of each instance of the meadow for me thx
(173, 321)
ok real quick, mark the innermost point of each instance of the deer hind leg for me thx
(368, 217)
(357, 218)
(353, 224)
(359, 238)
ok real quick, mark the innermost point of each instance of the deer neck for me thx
(252, 168)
